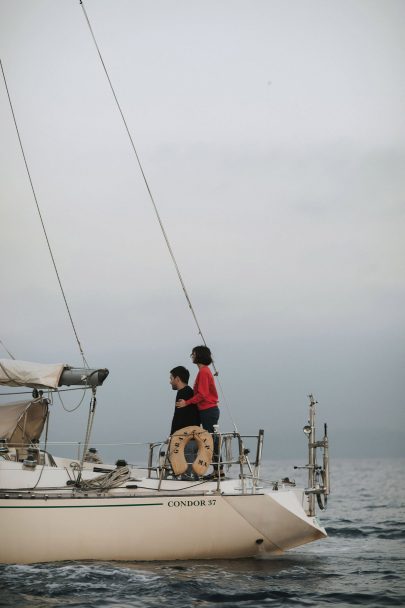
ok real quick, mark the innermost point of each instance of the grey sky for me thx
(273, 137)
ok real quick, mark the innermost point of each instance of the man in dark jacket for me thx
(185, 416)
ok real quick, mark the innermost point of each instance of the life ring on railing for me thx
(179, 441)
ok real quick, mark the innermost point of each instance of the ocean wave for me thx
(383, 532)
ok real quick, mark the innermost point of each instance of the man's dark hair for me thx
(202, 355)
(180, 372)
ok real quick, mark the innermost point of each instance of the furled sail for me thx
(44, 375)
(34, 375)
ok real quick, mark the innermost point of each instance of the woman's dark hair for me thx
(180, 372)
(202, 355)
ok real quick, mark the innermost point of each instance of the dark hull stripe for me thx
(151, 504)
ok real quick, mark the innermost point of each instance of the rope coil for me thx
(107, 481)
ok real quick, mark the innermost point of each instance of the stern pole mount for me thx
(318, 476)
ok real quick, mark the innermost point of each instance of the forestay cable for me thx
(144, 177)
(42, 222)
(152, 200)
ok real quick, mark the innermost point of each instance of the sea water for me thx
(360, 563)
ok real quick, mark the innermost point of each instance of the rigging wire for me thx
(90, 421)
(1, 341)
(159, 219)
(76, 407)
(144, 176)
(42, 222)
(45, 450)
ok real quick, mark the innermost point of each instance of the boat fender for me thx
(178, 442)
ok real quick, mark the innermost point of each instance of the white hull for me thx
(197, 524)
(52, 510)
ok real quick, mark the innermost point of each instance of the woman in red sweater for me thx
(205, 395)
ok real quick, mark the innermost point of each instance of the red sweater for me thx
(205, 392)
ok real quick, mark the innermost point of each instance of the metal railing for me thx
(247, 470)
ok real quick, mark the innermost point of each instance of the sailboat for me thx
(57, 508)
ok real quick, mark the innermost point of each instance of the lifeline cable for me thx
(42, 221)
(153, 203)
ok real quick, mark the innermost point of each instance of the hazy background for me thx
(273, 137)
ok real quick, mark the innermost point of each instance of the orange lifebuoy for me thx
(179, 441)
